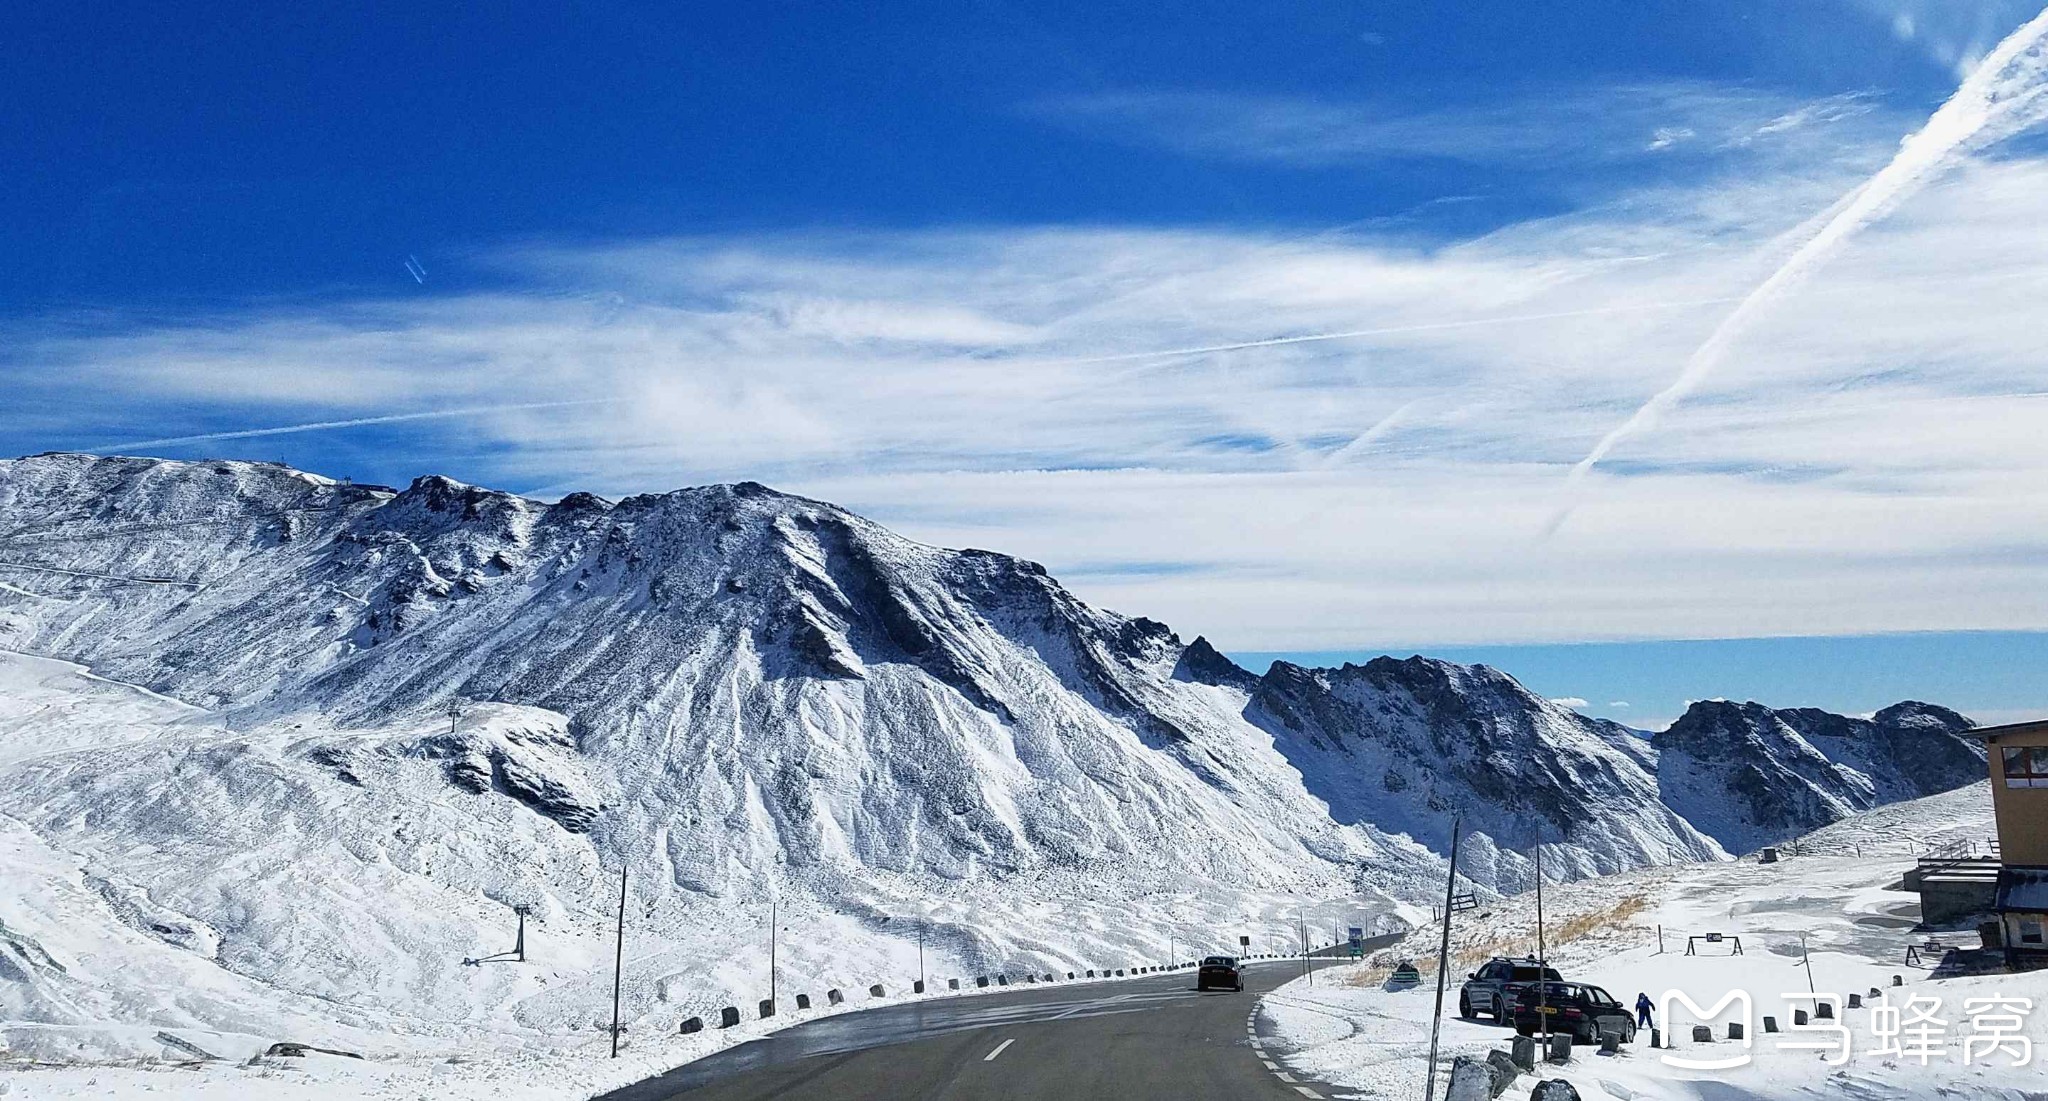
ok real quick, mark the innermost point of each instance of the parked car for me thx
(1491, 989)
(1220, 972)
(1581, 1010)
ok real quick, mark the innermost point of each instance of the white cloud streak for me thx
(1548, 130)
(352, 422)
(2007, 93)
(1871, 461)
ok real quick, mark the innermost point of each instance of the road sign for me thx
(1244, 942)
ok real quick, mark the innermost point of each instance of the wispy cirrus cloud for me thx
(1304, 441)
(1541, 129)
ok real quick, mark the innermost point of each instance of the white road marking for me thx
(991, 1056)
(1283, 1076)
(1270, 1064)
(1306, 1092)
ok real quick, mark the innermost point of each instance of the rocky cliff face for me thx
(1409, 744)
(1749, 775)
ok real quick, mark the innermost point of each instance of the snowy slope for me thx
(364, 722)
(1838, 906)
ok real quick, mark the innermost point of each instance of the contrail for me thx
(1371, 435)
(315, 426)
(2006, 93)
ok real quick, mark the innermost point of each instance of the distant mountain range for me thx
(834, 697)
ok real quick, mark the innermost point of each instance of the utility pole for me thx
(1808, 961)
(519, 945)
(1443, 960)
(454, 714)
(619, 961)
(771, 951)
(920, 953)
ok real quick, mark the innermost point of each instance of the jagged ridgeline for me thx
(728, 680)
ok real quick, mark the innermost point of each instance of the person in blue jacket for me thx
(1643, 1009)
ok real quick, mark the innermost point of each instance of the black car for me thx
(1581, 1010)
(1220, 972)
(1492, 989)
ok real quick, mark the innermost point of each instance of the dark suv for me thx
(1491, 989)
(1582, 1010)
(1219, 971)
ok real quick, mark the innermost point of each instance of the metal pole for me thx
(1443, 961)
(519, 945)
(1808, 961)
(920, 951)
(1301, 927)
(619, 961)
(1542, 951)
(771, 950)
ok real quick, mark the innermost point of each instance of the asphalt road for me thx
(1133, 1039)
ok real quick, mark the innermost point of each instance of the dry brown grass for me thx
(1575, 928)
(1470, 953)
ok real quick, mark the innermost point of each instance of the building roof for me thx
(2031, 725)
(2022, 889)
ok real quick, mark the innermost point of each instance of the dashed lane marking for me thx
(991, 1056)
(1251, 1027)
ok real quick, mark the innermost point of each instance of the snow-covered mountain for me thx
(1749, 775)
(389, 713)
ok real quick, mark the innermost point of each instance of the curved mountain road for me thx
(1138, 1039)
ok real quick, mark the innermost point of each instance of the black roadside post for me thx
(1443, 961)
(618, 961)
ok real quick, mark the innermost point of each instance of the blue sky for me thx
(1062, 279)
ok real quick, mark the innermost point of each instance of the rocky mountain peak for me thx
(825, 689)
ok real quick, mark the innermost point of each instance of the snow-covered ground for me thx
(346, 915)
(1840, 895)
